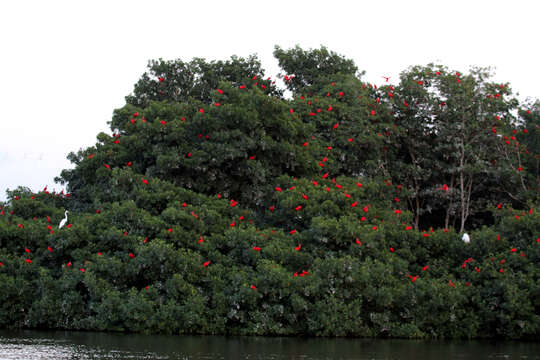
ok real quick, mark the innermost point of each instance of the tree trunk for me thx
(462, 185)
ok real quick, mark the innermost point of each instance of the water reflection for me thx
(81, 345)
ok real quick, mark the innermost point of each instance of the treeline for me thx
(221, 206)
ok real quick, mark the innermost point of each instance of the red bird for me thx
(256, 248)
(298, 208)
(292, 232)
(358, 242)
(425, 268)
(220, 91)
(201, 240)
(132, 255)
(253, 287)
(305, 196)
(27, 250)
(206, 263)
(28, 261)
(277, 188)
(444, 187)
(298, 247)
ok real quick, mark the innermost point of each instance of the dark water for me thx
(81, 345)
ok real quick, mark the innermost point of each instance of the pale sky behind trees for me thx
(65, 65)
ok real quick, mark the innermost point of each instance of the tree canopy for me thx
(220, 206)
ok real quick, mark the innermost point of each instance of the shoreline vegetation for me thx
(224, 204)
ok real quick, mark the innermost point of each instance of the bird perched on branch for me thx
(466, 238)
(64, 221)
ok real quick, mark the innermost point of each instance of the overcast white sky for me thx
(65, 65)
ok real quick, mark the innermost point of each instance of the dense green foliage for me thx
(218, 206)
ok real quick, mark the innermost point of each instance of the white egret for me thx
(466, 238)
(64, 220)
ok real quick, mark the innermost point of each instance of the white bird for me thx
(64, 220)
(466, 238)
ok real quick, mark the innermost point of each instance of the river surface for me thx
(83, 345)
